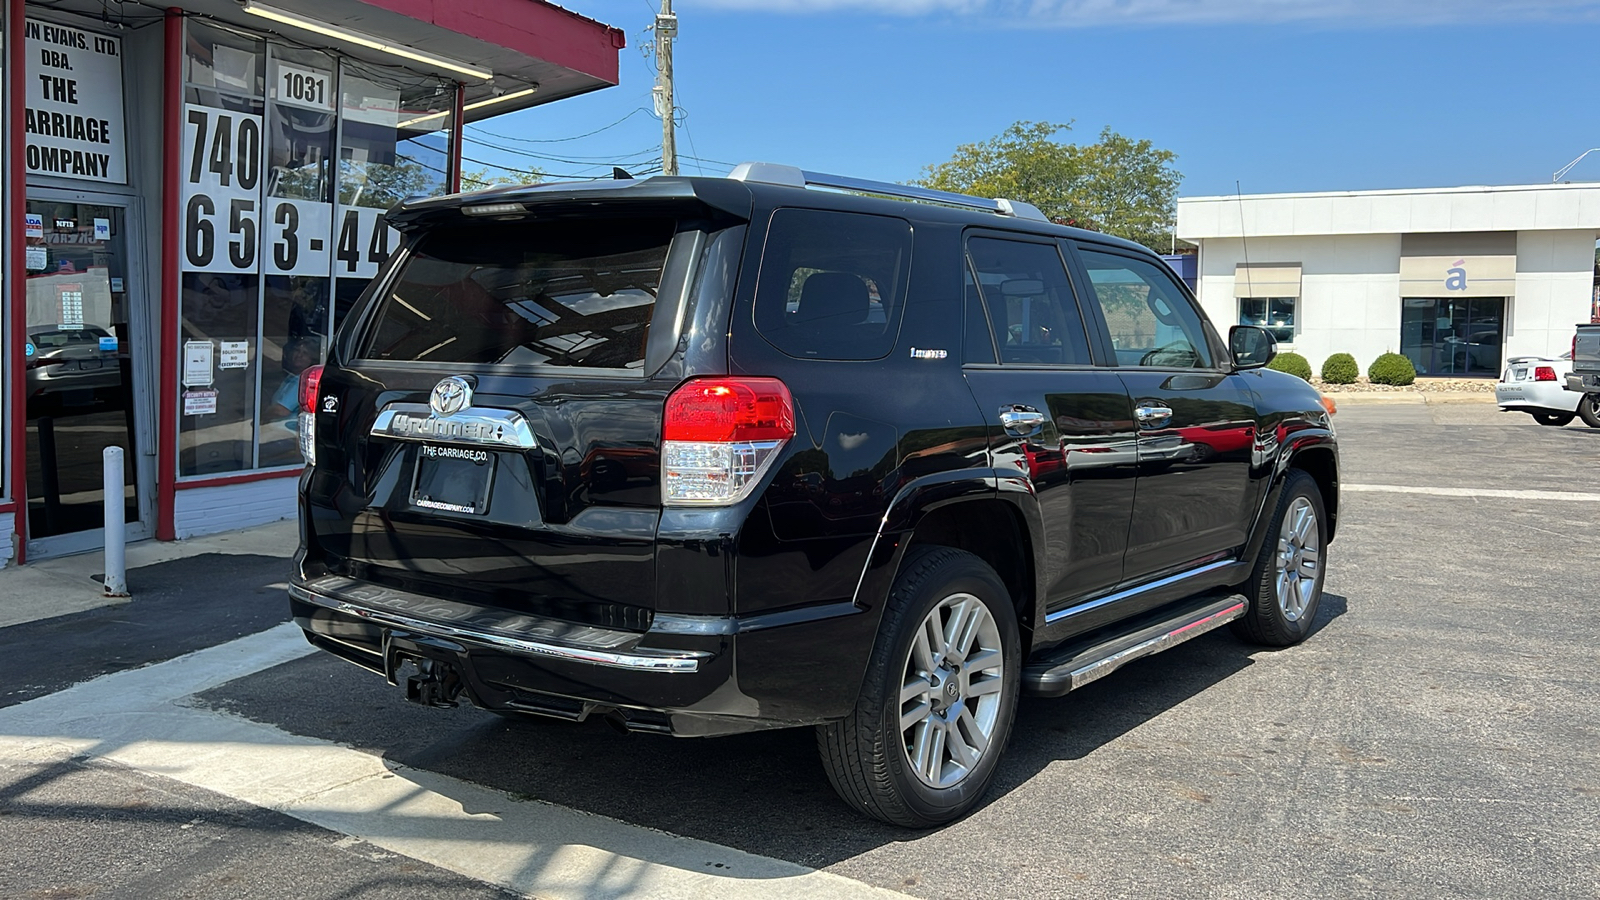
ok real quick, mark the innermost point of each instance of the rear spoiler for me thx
(718, 198)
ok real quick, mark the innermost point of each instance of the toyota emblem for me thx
(451, 396)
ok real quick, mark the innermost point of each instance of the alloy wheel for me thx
(951, 692)
(1299, 556)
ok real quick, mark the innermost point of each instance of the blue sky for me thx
(1280, 95)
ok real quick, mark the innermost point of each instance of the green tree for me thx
(1116, 185)
(479, 179)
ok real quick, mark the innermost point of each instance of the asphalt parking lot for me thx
(1438, 736)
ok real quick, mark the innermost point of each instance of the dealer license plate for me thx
(453, 479)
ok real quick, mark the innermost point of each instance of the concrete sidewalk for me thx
(72, 584)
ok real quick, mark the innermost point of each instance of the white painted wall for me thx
(8, 528)
(208, 510)
(1536, 207)
(1349, 291)
(1555, 278)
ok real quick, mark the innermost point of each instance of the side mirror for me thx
(1252, 347)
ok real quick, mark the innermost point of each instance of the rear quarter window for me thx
(832, 284)
(569, 293)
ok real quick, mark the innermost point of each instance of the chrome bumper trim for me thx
(636, 660)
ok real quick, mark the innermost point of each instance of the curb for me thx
(1413, 397)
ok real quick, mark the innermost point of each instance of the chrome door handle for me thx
(1021, 421)
(1152, 416)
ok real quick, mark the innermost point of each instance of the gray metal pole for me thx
(116, 534)
(666, 31)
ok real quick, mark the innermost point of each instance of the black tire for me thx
(865, 754)
(1555, 420)
(1589, 410)
(1268, 622)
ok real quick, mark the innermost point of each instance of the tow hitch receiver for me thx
(436, 682)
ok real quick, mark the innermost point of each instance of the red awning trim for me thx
(531, 27)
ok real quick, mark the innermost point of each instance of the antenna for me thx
(1238, 192)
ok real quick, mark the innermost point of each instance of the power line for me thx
(569, 160)
(507, 137)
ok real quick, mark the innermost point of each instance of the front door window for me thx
(78, 365)
(1453, 337)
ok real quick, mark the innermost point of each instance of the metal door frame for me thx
(143, 363)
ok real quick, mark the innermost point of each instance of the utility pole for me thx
(666, 31)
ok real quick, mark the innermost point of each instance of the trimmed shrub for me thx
(1392, 368)
(1340, 368)
(1293, 363)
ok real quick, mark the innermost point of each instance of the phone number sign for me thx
(230, 226)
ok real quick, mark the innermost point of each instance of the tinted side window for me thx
(1151, 322)
(571, 293)
(832, 283)
(1030, 302)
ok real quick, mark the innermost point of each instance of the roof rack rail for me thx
(790, 176)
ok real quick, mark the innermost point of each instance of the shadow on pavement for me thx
(179, 606)
(763, 793)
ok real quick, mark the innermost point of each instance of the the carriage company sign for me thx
(74, 119)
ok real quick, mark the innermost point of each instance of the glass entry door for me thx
(1453, 337)
(79, 381)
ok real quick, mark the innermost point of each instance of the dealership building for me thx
(194, 197)
(1457, 279)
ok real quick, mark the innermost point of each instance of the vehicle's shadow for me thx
(764, 793)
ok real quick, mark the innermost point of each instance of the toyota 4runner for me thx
(708, 455)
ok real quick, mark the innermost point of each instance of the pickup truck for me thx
(1585, 375)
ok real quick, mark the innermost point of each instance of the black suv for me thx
(708, 455)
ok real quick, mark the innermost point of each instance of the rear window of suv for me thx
(831, 283)
(575, 293)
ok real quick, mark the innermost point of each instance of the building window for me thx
(1275, 314)
(291, 157)
(1453, 337)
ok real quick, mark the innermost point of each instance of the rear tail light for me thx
(310, 381)
(1544, 373)
(310, 384)
(719, 437)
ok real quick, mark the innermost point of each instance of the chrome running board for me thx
(1078, 663)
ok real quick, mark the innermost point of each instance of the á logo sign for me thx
(1455, 279)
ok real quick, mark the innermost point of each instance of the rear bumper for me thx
(1587, 383)
(685, 676)
(1549, 396)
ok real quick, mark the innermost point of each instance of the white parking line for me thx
(1496, 493)
(139, 719)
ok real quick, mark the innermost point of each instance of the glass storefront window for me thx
(394, 143)
(1453, 337)
(1275, 314)
(291, 158)
(302, 130)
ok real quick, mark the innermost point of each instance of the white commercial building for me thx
(1455, 278)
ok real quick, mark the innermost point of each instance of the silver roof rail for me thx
(790, 176)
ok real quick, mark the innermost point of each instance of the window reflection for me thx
(1453, 337)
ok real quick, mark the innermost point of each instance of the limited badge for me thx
(451, 396)
(928, 354)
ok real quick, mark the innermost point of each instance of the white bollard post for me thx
(116, 534)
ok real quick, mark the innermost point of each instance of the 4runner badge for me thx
(451, 396)
(928, 354)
